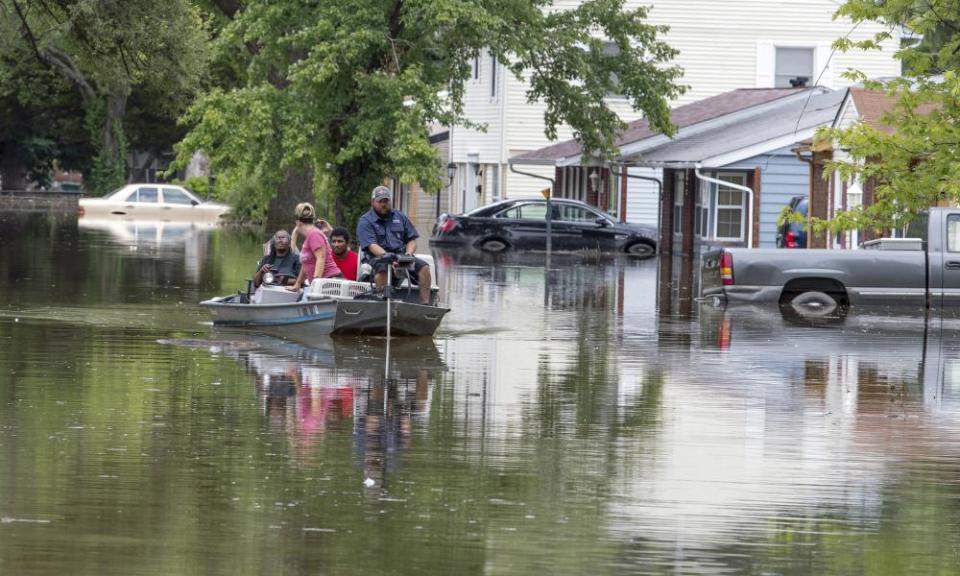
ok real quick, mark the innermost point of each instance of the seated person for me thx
(281, 260)
(383, 230)
(345, 258)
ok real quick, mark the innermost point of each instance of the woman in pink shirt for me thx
(316, 256)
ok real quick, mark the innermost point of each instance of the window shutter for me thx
(765, 64)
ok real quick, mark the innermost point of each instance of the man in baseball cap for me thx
(383, 230)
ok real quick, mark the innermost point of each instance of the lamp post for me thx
(451, 173)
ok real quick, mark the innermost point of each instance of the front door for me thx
(470, 196)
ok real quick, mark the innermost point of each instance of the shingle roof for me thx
(790, 118)
(872, 105)
(682, 116)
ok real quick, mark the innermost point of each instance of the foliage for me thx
(348, 89)
(912, 159)
(110, 54)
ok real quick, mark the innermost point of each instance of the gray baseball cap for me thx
(381, 192)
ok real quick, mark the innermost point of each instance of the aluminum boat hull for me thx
(311, 319)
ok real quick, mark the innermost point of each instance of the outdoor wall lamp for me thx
(451, 173)
(594, 178)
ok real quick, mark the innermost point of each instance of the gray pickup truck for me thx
(921, 272)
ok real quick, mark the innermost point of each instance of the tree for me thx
(914, 163)
(108, 50)
(341, 93)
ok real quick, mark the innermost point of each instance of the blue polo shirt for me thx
(391, 233)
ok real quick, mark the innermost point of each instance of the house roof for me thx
(682, 116)
(872, 105)
(768, 129)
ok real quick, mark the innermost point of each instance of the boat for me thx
(361, 309)
(274, 310)
(331, 306)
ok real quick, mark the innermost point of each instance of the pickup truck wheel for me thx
(814, 304)
(640, 250)
(493, 245)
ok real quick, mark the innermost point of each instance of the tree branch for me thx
(64, 63)
(27, 33)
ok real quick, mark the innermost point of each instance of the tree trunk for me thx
(13, 172)
(113, 141)
(297, 186)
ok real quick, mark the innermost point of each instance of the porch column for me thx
(819, 202)
(666, 213)
(688, 213)
(624, 178)
(869, 187)
(755, 209)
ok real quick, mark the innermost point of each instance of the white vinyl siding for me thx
(643, 196)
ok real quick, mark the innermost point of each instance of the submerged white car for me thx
(159, 202)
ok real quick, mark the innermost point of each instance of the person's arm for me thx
(262, 267)
(411, 248)
(324, 226)
(296, 285)
(294, 236)
(321, 256)
(367, 240)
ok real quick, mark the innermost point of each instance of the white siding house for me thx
(723, 44)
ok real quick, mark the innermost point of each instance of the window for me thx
(144, 194)
(729, 224)
(476, 67)
(702, 214)
(174, 196)
(536, 211)
(578, 214)
(493, 76)
(793, 64)
(953, 233)
(678, 188)
(611, 49)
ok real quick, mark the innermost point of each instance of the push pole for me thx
(386, 365)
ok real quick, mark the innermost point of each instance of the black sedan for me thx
(521, 224)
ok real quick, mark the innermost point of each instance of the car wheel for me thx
(493, 245)
(641, 250)
(814, 304)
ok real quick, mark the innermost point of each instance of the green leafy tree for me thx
(109, 51)
(340, 94)
(913, 159)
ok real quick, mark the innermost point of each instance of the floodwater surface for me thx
(559, 423)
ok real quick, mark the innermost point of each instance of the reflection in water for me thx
(339, 384)
(562, 421)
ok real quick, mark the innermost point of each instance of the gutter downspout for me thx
(549, 204)
(659, 184)
(748, 190)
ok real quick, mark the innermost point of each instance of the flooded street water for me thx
(556, 424)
